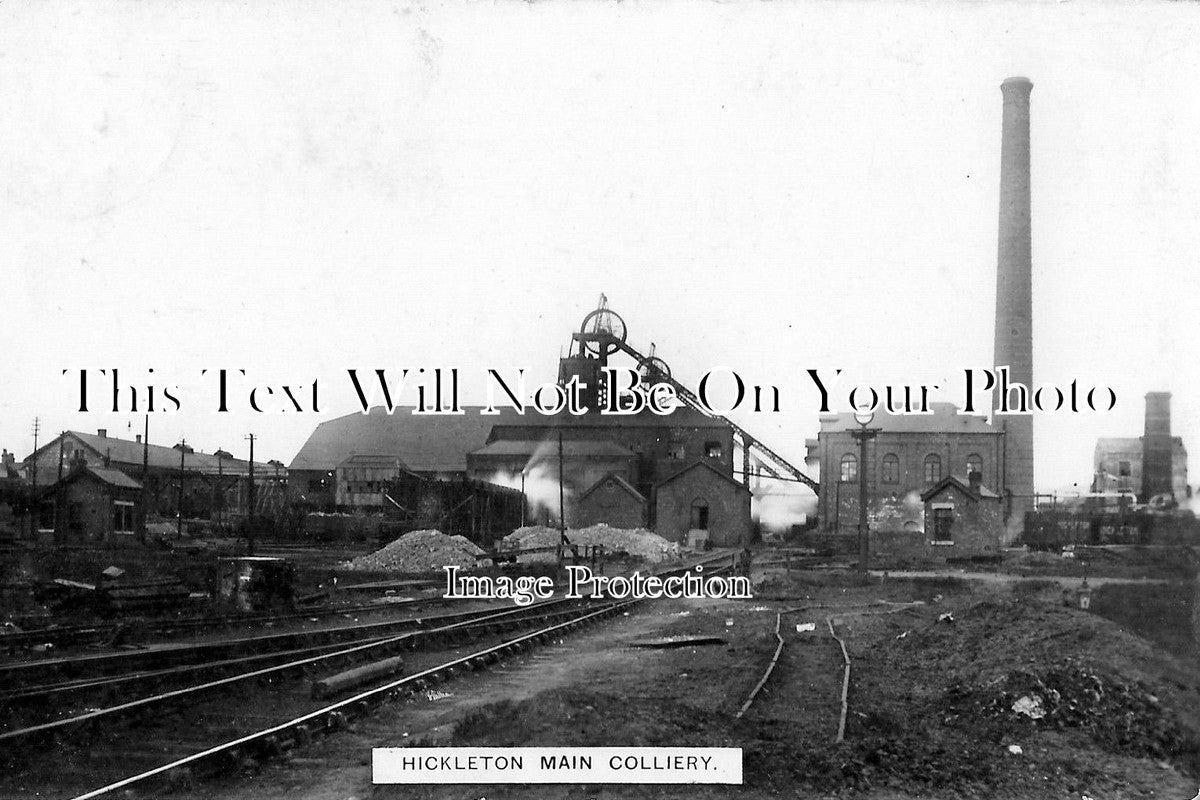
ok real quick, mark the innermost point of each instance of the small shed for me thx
(701, 497)
(611, 500)
(97, 503)
(963, 518)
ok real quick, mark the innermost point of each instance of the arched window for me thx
(849, 467)
(974, 464)
(933, 468)
(699, 514)
(890, 469)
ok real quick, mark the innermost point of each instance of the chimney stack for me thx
(1014, 290)
(1157, 450)
(102, 433)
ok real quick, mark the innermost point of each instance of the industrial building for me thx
(912, 455)
(212, 486)
(623, 470)
(1152, 466)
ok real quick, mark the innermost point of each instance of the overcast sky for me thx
(300, 188)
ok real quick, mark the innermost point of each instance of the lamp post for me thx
(863, 435)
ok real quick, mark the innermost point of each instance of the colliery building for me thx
(168, 480)
(910, 455)
(1152, 466)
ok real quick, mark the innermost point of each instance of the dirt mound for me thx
(419, 551)
(636, 542)
(1120, 716)
(1011, 668)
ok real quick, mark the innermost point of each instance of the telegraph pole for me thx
(34, 505)
(562, 517)
(862, 436)
(179, 499)
(250, 501)
(58, 490)
(145, 473)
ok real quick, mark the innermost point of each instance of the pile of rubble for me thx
(635, 542)
(419, 551)
(1121, 716)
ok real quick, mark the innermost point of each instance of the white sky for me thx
(300, 188)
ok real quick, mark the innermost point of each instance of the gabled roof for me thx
(963, 485)
(619, 481)
(124, 451)
(943, 419)
(107, 475)
(424, 442)
(702, 465)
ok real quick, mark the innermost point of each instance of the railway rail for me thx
(296, 716)
(90, 633)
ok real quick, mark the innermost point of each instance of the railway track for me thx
(261, 713)
(22, 674)
(91, 633)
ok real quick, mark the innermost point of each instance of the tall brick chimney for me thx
(1156, 447)
(1014, 290)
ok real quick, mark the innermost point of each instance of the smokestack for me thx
(1157, 451)
(1014, 290)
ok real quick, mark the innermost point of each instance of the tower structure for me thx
(1158, 448)
(1014, 291)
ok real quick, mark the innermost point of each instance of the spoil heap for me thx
(418, 551)
(636, 542)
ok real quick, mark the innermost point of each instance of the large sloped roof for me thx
(124, 451)
(424, 442)
(680, 417)
(944, 419)
(570, 448)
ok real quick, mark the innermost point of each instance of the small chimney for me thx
(138, 438)
(976, 479)
(102, 433)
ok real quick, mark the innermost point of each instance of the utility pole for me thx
(58, 490)
(522, 498)
(250, 501)
(562, 517)
(862, 436)
(179, 498)
(34, 505)
(145, 474)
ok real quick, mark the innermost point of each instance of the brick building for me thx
(611, 500)
(702, 497)
(214, 485)
(910, 454)
(1120, 464)
(94, 504)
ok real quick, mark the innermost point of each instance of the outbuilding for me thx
(702, 498)
(613, 501)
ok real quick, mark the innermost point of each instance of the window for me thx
(933, 468)
(890, 469)
(699, 514)
(712, 449)
(849, 467)
(122, 516)
(974, 464)
(943, 524)
(1123, 469)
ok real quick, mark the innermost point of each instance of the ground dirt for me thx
(930, 703)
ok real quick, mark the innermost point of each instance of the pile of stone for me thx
(635, 542)
(419, 551)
